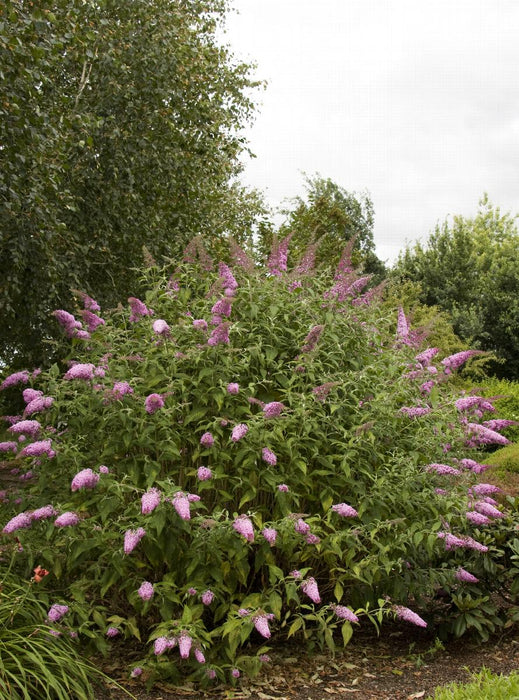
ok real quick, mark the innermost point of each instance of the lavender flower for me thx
(204, 473)
(487, 509)
(268, 456)
(273, 409)
(41, 403)
(207, 597)
(220, 335)
(138, 309)
(309, 588)
(85, 479)
(160, 327)
(146, 591)
(233, 388)
(67, 519)
(31, 394)
(15, 378)
(239, 431)
(181, 504)
(312, 339)
(261, 623)
(235, 673)
(485, 436)
(283, 488)
(277, 262)
(223, 307)
(38, 448)
(43, 513)
(150, 500)
(132, 539)
(465, 576)
(56, 612)
(211, 674)
(200, 324)
(301, 527)
(184, 645)
(455, 361)
(84, 371)
(153, 403)
(409, 616)
(442, 469)
(120, 389)
(67, 321)
(345, 613)
(92, 320)
(207, 440)
(227, 278)
(19, 521)
(344, 510)
(112, 632)
(484, 489)
(8, 447)
(472, 402)
(312, 539)
(136, 672)
(103, 469)
(160, 645)
(402, 328)
(26, 427)
(243, 525)
(425, 357)
(199, 655)
(270, 534)
(415, 411)
(89, 303)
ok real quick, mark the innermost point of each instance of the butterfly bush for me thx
(315, 469)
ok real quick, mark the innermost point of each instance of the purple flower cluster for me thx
(227, 278)
(409, 616)
(26, 427)
(268, 456)
(112, 632)
(481, 435)
(132, 539)
(442, 469)
(344, 510)
(150, 500)
(233, 388)
(138, 309)
(273, 409)
(345, 613)
(120, 389)
(204, 473)
(85, 479)
(8, 446)
(43, 513)
(261, 623)
(465, 576)
(207, 440)
(67, 519)
(425, 357)
(474, 403)
(277, 262)
(200, 324)
(207, 597)
(68, 322)
(415, 411)
(38, 448)
(56, 612)
(239, 431)
(309, 588)
(270, 534)
(153, 403)
(243, 525)
(452, 542)
(15, 378)
(92, 320)
(146, 591)
(160, 327)
(455, 361)
(20, 521)
(84, 371)
(223, 307)
(219, 335)
(38, 404)
(312, 339)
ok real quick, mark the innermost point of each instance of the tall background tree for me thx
(330, 216)
(119, 127)
(470, 268)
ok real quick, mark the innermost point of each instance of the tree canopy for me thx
(470, 268)
(120, 127)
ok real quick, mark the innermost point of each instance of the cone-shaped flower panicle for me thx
(184, 645)
(207, 440)
(239, 431)
(309, 588)
(458, 359)
(273, 409)
(146, 590)
(204, 473)
(233, 388)
(132, 539)
(160, 645)
(84, 371)
(261, 623)
(227, 279)
(402, 328)
(465, 576)
(41, 403)
(181, 505)
(207, 597)
(43, 513)
(268, 456)
(14, 379)
(200, 324)
(409, 616)
(153, 403)
(160, 327)
(85, 479)
(25, 427)
(270, 535)
(243, 525)
(344, 510)
(301, 527)
(150, 500)
(67, 519)
(199, 655)
(219, 335)
(345, 613)
(138, 309)
(91, 320)
(20, 521)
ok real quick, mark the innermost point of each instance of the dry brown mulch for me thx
(400, 665)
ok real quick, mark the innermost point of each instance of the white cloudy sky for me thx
(415, 101)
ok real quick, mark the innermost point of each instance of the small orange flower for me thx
(39, 574)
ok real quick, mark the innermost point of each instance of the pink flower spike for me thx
(184, 645)
(150, 500)
(199, 656)
(66, 519)
(309, 588)
(207, 597)
(22, 520)
(132, 539)
(261, 624)
(273, 409)
(181, 505)
(145, 591)
(153, 403)
(268, 456)
(56, 612)
(207, 440)
(239, 431)
(344, 510)
(270, 535)
(160, 327)
(243, 526)
(465, 576)
(409, 616)
(85, 479)
(345, 613)
(204, 473)
(233, 388)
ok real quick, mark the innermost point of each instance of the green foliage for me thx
(484, 685)
(470, 268)
(34, 663)
(330, 216)
(120, 126)
(506, 459)
(306, 394)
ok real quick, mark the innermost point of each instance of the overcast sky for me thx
(415, 101)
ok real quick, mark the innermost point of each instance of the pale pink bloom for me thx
(112, 632)
(200, 324)
(181, 505)
(43, 513)
(227, 278)
(15, 378)
(484, 489)
(8, 446)
(160, 327)
(489, 510)
(273, 409)
(211, 673)
(85, 479)
(138, 309)
(477, 518)
(137, 671)
(207, 440)
(426, 356)
(301, 527)
(239, 431)
(40, 403)
(268, 456)
(309, 588)
(283, 488)
(56, 612)
(120, 389)
(103, 469)
(184, 645)
(146, 590)
(67, 519)
(26, 427)
(312, 539)
(261, 623)
(243, 525)
(455, 361)
(153, 403)
(19, 521)
(84, 371)
(409, 616)
(219, 335)
(442, 469)
(204, 473)
(233, 388)
(344, 510)
(132, 539)
(270, 535)
(207, 597)
(415, 411)
(465, 576)
(92, 320)
(160, 645)
(223, 307)
(345, 613)
(199, 656)
(235, 673)
(402, 328)
(150, 500)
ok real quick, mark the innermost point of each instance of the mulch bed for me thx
(401, 664)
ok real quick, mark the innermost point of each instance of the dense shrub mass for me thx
(247, 454)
